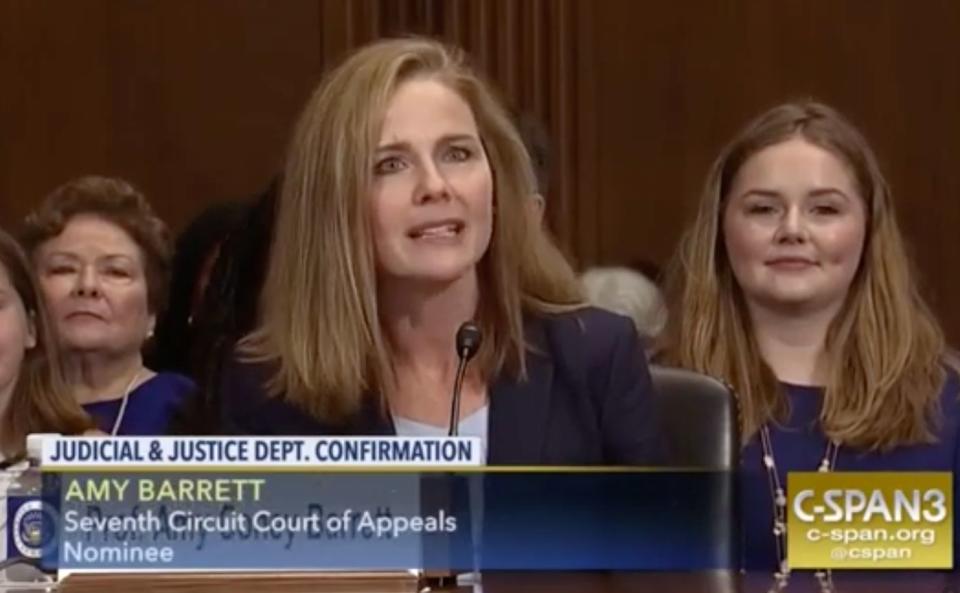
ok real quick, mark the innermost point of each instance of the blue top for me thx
(800, 444)
(588, 399)
(150, 407)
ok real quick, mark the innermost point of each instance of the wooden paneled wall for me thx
(673, 82)
(193, 99)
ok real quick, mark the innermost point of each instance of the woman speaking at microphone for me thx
(403, 214)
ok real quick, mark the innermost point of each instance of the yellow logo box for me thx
(870, 520)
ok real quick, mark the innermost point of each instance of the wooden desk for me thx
(513, 582)
(713, 582)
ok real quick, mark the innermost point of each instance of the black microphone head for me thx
(468, 340)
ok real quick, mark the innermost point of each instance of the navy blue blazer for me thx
(588, 399)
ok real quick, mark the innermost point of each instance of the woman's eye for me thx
(389, 165)
(761, 209)
(459, 154)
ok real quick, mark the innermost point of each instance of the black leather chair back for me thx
(698, 415)
(699, 419)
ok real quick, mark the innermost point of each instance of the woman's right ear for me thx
(536, 205)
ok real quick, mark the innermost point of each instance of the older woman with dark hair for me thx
(102, 260)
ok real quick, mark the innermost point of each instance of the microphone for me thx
(444, 492)
(468, 342)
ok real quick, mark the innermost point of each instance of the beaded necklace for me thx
(829, 462)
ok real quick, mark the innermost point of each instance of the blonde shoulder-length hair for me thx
(884, 347)
(318, 311)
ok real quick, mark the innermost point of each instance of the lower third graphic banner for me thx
(470, 520)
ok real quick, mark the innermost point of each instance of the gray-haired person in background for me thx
(630, 293)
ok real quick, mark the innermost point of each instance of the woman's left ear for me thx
(151, 326)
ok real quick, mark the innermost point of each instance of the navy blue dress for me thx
(150, 408)
(799, 445)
